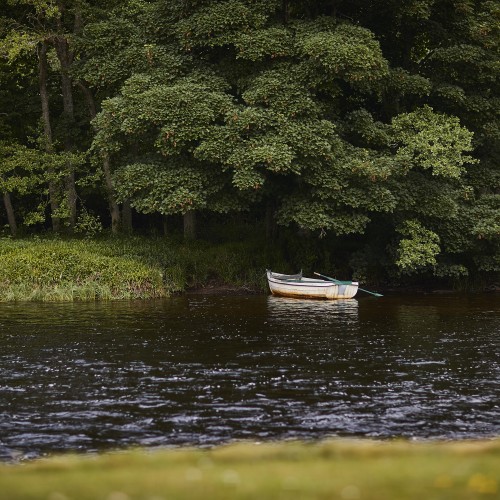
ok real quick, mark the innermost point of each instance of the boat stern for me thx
(343, 291)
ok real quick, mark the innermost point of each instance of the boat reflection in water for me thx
(285, 310)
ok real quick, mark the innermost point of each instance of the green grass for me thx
(356, 469)
(124, 268)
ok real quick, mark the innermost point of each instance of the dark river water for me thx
(202, 370)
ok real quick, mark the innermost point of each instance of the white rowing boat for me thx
(295, 285)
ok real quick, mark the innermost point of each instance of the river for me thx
(202, 370)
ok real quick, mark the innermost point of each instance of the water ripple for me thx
(207, 370)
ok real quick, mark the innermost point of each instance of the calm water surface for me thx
(203, 370)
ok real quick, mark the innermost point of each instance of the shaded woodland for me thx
(364, 128)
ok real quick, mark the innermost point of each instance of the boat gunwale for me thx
(321, 284)
(312, 283)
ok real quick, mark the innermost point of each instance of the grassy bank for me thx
(124, 268)
(335, 469)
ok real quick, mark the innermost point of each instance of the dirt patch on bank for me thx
(220, 289)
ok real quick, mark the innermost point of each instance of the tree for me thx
(44, 29)
(445, 54)
(305, 131)
(370, 128)
(116, 44)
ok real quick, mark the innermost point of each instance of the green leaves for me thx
(25, 172)
(432, 141)
(46, 8)
(419, 247)
(400, 82)
(349, 52)
(167, 188)
(279, 90)
(486, 217)
(218, 24)
(273, 42)
(16, 43)
(321, 216)
(270, 152)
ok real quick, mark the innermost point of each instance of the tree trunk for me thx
(11, 218)
(127, 217)
(89, 99)
(165, 225)
(65, 58)
(114, 209)
(285, 10)
(44, 98)
(190, 225)
(71, 196)
(270, 222)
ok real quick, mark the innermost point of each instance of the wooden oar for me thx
(338, 282)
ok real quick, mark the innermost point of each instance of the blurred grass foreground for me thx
(344, 469)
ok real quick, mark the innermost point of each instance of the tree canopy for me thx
(364, 126)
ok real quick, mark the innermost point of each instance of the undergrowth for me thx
(125, 268)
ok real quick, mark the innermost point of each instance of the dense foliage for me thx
(365, 136)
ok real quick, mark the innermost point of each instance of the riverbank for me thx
(126, 268)
(345, 469)
(108, 268)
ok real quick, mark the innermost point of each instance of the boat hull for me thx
(306, 288)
